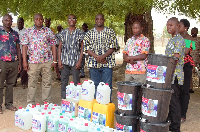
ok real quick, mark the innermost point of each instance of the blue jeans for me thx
(103, 74)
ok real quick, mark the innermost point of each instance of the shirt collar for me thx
(141, 36)
(101, 30)
(1, 28)
(40, 28)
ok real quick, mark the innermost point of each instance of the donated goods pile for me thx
(79, 112)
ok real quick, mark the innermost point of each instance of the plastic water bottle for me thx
(83, 128)
(69, 90)
(39, 122)
(77, 92)
(63, 124)
(38, 107)
(27, 120)
(71, 125)
(53, 123)
(103, 93)
(88, 90)
(17, 113)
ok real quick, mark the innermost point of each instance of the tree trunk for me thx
(147, 23)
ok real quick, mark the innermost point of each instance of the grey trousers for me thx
(65, 73)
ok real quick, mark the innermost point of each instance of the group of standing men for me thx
(40, 43)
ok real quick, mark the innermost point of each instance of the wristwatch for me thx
(55, 62)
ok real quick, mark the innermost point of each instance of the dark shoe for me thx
(11, 107)
(1, 111)
(191, 91)
(82, 76)
(24, 86)
(58, 79)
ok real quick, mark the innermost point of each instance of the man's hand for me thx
(53, 65)
(101, 59)
(127, 59)
(78, 65)
(60, 64)
(19, 68)
(25, 66)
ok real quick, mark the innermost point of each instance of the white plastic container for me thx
(39, 122)
(27, 120)
(17, 113)
(38, 107)
(77, 92)
(82, 128)
(103, 93)
(53, 123)
(69, 90)
(71, 126)
(63, 124)
(88, 90)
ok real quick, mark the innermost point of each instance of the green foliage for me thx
(85, 10)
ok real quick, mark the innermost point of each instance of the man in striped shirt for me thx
(70, 53)
(100, 43)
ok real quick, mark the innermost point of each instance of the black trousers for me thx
(175, 108)
(184, 93)
(65, 73)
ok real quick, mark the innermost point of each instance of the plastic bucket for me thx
(160, 70)
(129, 97)
(127, 123)
(155, 104)
(154, 127)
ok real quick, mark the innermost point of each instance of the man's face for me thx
(71, 20)
(194, 32)
(20, 24)
(99, 20)
(7, 21)
(181, 27)
(84, 28)
(59, 28)
(47, 22)
(171, 26)
(137, 29)
(38, 20)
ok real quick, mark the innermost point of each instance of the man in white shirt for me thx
(21, 30)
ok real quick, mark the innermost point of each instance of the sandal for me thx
(12, 108)
(1, 111)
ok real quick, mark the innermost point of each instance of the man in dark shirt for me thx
(9, 55)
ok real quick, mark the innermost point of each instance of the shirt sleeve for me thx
(52, 38)
(86, 42)
(113, 41)
(126, 51)
(145, 46)
(179, 46)
(25, 40)
(193, 45)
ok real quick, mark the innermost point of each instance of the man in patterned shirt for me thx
(39, 41)
(70, 53)
(176, 48)
(100, 43)
(135, 54)
(9, 66)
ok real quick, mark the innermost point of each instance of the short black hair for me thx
(20, 18)
(185, 22)
(174, 19)
(138, 23)
(196, 29)
(85, 24)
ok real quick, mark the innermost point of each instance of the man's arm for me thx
(78, 64)
(19, 57)
(59, 55)
(53, 47)
(24, 56)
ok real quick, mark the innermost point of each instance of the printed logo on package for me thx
(71, 130)
(99, 96)
(142, 130)
(84, 91)
(123, 128)
(70, 106)
(99, 118)
(51, 125)
(76, 94)
(62, 127)
(68, 92)
(156, 73)
(124, 101)
(149, 107)
(84, 113)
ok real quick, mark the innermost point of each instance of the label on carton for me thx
(84, 113)
(156, 73)
(123, 127)
(124, 101)
(21, 122)
(149, 107)
(68, 92)
(99, 118)
(76, 94)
